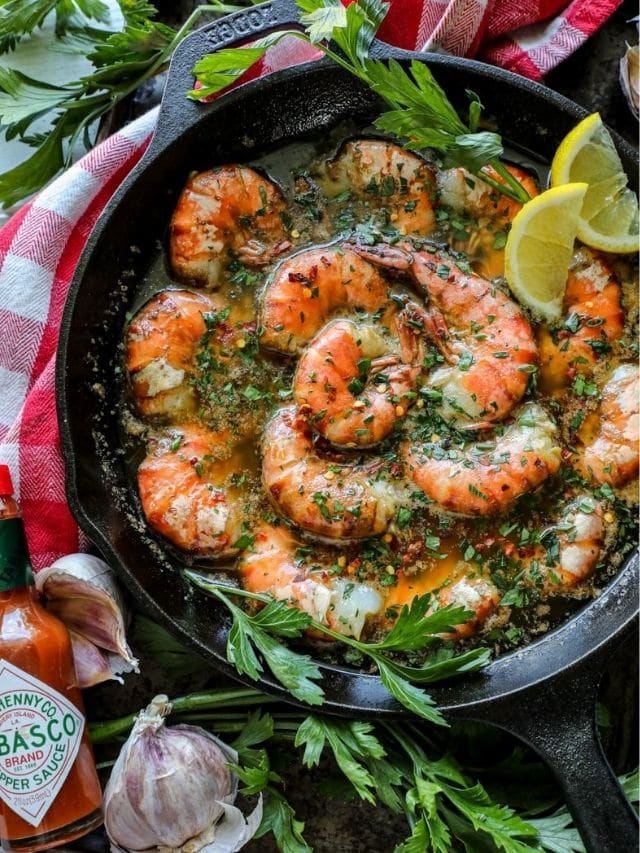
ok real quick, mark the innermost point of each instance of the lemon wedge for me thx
(540, 248)
(609, 216)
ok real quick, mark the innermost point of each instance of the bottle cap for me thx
(6, 486)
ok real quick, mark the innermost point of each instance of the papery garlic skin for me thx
(82, 592)
(171, 790)
(629, 74)
(92, 665)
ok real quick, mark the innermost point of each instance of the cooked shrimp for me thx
(490, 210)
(463, 589)
(226, 213)
(476, 594)
(273, 567)
(351, 384)
(484, 336)
(336, 500)
(611, 454)
(309, 288)
(576, 542)
(393, 178)
(186, 491)
(161, 342)
(487, 479)
(594, 320)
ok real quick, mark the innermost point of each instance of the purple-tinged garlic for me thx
(92, 665)
(629, 74)
(171, 789)
(81, 591)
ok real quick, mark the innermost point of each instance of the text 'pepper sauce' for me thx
(49, 789)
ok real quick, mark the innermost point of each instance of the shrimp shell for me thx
(336, 501)
(472, 482)
(308, 288)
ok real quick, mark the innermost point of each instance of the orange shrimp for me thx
(352, 386)
(578, 538)
(310, 287)
(486, 480)
(610, 455)
(226, 213)
(273, 567)
(160, 346)
(463, 589)
(394, 179)
(484, 336)
(185, 489)
(492, 211)
(331, 499)
(594, 320)
(476, 594)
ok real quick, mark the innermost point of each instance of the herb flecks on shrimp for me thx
(225, 214)
(360, 425)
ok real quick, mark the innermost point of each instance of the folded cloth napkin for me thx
(41, 244)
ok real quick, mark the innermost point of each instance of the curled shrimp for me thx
(464, 589)
(576, 541)
(482, 334)
(186, 489)
(483, 239)
(222, 214)
(161, 343)
(476, 594)
(274, 567)
(610, 455)
(391, 177)
(335, 500)
(308, 288)
(486, 479)
(351, 384)
(594, 320)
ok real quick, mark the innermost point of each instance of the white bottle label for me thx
(40, 735)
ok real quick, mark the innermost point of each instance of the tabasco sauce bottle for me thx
(49, 790)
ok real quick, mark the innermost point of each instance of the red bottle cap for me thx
(6, 486)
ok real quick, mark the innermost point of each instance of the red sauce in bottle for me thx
(49, 789)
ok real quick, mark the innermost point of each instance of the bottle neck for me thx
(15, 565)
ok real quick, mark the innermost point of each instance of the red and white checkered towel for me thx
(40, 246)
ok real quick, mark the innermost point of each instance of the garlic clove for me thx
(81, 591)
(171, 789)
(233, 831)
(93, 666)
(629, 74)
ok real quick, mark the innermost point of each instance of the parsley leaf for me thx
(414, 629)
(279, 818)
(418, 109)
(253, 634)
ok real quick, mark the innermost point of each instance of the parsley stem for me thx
(518, 193)
(207, 699)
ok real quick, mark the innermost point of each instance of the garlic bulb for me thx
(629, 73)
(81, 591)
(171, 790)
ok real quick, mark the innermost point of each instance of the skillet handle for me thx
(177, 112)
(556, 718)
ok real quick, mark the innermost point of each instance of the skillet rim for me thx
(347, 690)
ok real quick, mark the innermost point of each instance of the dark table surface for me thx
(589, 77)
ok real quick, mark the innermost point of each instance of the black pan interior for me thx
(261, 116)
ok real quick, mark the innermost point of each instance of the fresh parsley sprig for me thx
(122, 61)
(418, 108)
(20, 17)
(403, 766)
(414, 630)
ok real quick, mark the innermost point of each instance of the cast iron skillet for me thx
(544, 693)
